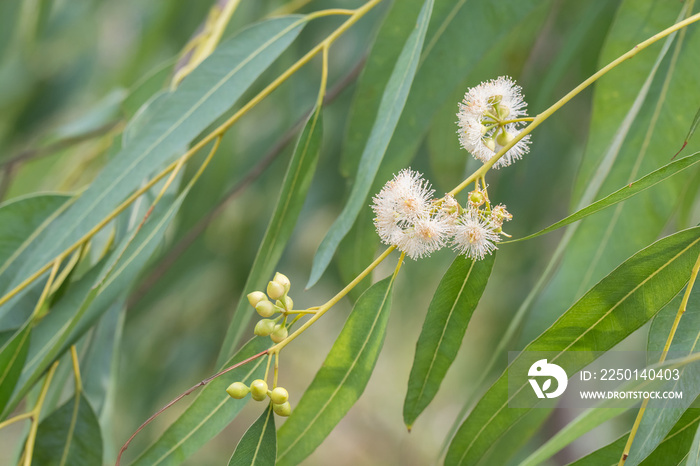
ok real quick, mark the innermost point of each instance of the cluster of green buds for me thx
(259, 391)
(277, 291)
(494, 216)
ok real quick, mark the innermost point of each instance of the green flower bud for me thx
(282, 280)
(264, 327)
(288, 303)
(476, 198)
(504, 138)
(279, 396)
(279, 333)
(284, 409)
(503, 110)
(237, 390)
(265, 308)
(275, 290)
(258, 390)
(490, 143)
(255, 297)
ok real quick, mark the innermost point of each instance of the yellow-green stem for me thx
(76, 370)
(667, 346)
(577, 90)
(35, 413)
(323, 309)
(225, 126)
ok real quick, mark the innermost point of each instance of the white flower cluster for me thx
(486, 121)
(407, 216)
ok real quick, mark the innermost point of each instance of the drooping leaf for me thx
(449, 313)
(342, 378)
(390, 108)
(210, 90)
(69, 436)
(295, 186)
(258, 446)
(208, 414)
(13, 353)
(621, 194)
(622, 302)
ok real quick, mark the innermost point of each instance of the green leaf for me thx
(694, 453)
(295, 186)
(92, 295)
(21, 221)
(70, 436)
(660, 415)
(621, 194)
(449, 313)
(670, 452)
(209, 413)
(386, 48)
(390, 108)
(619, 153)
(582, 424)
(342, 378)
(13, 353)
(442, 70)
(258, 446)
(209, 91)
(609, 312)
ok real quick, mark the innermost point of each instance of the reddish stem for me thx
(181, 396)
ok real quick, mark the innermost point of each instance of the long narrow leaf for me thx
(208, 414)
(210, 90)
(390, 109)
(621, 194)
(613, 309)
(449, 313)
(295, 186)
(342, 378)
(258, 446)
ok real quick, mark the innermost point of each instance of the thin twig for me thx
(186, 241)
(181, 396)
(49, 149)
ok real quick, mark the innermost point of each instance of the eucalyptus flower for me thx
(473, 236)
(487, 121)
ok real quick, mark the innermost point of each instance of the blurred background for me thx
(71, 75)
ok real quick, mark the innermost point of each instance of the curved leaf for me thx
(621, 194)
(390, 108)
(258, 446)
(208, 414)
(609, 312)
(209, 91)
(449, 313)
(295, 186)
(70, 436)
(342, 378)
